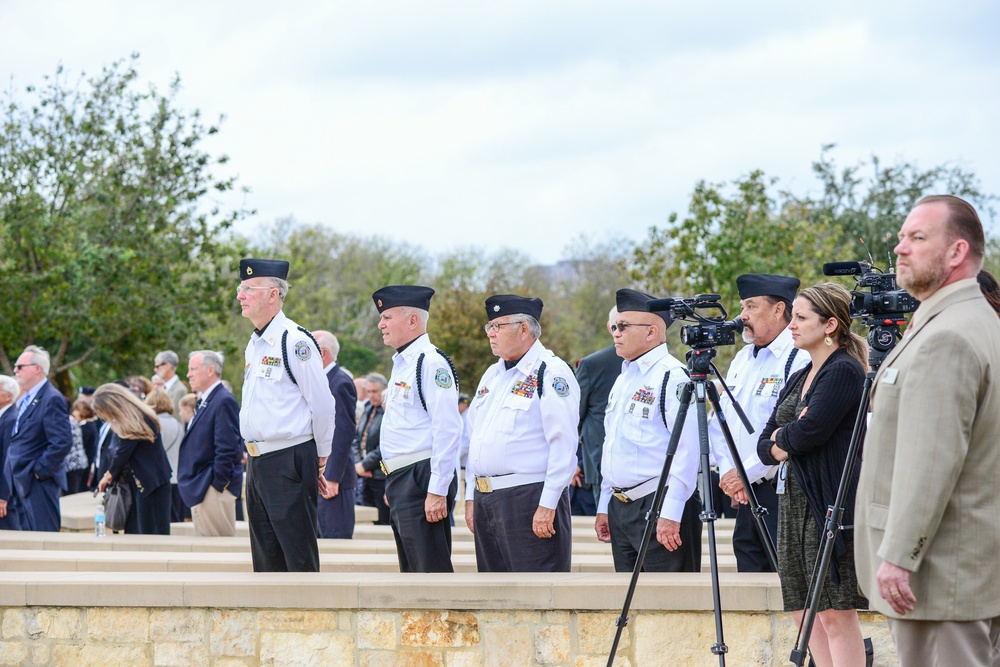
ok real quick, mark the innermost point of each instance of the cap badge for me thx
(380, 303)
(249, 270)
(496, 308)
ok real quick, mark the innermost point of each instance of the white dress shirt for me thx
(407, 428)
(636, 439)
(756, 383)
(275, 409)
(515, 431)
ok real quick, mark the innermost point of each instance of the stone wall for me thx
(182, 637)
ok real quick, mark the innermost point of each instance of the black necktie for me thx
(756, 349)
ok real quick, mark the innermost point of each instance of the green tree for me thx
(112, 242)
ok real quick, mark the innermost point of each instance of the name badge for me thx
(889, 375)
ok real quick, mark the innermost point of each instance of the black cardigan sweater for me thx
(817, 444)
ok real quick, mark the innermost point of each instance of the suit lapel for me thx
(36, 395)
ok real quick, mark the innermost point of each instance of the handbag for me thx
(117, 505)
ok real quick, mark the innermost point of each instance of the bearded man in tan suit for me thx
(927, 538)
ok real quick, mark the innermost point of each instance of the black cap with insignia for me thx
(499, 305)
(750, 285)
(414, 296)
(634, 300)
(263, 268)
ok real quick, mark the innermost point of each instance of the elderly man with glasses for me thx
(287, 421)
(165, 367)
(522, 453)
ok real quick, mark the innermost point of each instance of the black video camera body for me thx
(709, 330)
(884, 298)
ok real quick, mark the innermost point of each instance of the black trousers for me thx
(751, 554)
(150, 514)
(282, 491)
(421, 546)
(373, 495)
(505, 541)
(336, 515)
(627, 522)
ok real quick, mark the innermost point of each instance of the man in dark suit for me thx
(9, 391)
(366, 448)
(39, 442)
(209, 466)
(596, 374)
(336, 506)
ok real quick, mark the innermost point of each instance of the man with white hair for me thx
(40, 439)
(421, 432)
(210, 463)
(9, 391)
(165, 367)
(336, 503)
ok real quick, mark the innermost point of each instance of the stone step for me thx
(152, 561)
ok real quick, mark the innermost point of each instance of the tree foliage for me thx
(109, 235)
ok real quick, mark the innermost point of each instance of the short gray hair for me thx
(534, 328)
(211, 359)
(328, 341)
(613, 315)
(281, 284)
(39, 356)
(167, 357)
(422, 315)
(9, 385)
(378, 377)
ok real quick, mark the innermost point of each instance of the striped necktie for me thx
(25, 402)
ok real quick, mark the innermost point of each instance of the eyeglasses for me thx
(496, 326)
(246, 288)
(162, 363)
(622, 326)
(18, 367)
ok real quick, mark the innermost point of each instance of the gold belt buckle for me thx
(252, 448)
(381, 464)
(622, 497)
(483, 485)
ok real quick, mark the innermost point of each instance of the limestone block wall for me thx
(229, 637)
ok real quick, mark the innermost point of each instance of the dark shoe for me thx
(869, 652)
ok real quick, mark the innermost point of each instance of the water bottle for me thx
(99, 521)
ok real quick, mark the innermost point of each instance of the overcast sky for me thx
(527, 123)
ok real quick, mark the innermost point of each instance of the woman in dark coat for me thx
(809, 434)
(139, 460)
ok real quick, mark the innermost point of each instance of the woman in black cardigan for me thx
(139, 459)
(809, 434)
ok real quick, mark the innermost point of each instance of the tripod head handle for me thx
(736, 404)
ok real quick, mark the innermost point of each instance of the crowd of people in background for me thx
(536, 439)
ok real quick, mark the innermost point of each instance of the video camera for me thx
(882, 308)
(709, 330)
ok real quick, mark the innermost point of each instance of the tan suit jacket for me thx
(929, 494)
(178, 391)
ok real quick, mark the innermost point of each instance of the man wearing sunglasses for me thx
(39, 442)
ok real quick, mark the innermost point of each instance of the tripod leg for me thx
(708, 516)
(756, 509)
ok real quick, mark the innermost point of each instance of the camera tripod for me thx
(699, 369)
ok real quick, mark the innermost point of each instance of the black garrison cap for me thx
(630, 299)
(762, 284)
(499, 305)
(414, 296)
(263, 268)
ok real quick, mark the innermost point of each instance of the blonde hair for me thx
(125, 413)
(188, 401)
(160, 401)
(830, 300)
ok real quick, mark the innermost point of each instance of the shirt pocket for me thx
(637, 424)
(512, 413)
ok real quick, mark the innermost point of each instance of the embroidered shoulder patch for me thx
(561, 387)
(302, 350)
(442, 378)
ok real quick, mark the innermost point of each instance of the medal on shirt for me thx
(525, 387)
(270, 368)
(644, 395)
(401, 390)
(769, 386)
